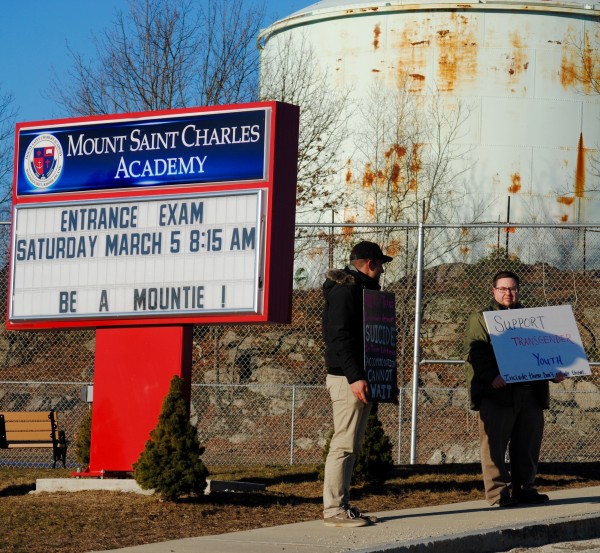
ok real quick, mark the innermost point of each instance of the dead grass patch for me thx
(86, 521)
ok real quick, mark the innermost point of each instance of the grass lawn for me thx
(84, 521)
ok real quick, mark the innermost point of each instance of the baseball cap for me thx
(368, 250)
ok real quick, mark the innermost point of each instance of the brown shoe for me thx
(350, 518)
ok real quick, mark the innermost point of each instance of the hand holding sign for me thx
(536, 344)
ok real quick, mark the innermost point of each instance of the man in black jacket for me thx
(346, 378)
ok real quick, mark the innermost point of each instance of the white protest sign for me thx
(536, 343)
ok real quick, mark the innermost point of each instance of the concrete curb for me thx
(131, 486)
(500, 539)
(50, 485)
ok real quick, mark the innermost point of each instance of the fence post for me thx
(293, 424)
(417, 345)
(400, 396)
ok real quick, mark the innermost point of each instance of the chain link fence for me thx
(258, 394)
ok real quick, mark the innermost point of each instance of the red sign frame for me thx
(278, 188)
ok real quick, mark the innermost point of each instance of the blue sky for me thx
(34, 36)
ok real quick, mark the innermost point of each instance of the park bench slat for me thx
(17, 445)
(28, 426)
(29, 436)
(16, 416)
(32, 429)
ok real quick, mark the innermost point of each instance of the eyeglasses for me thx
(503, 290)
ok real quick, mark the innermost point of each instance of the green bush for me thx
(170, 462)
(83, 443)
(375, 461)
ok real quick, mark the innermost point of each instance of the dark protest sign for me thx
(380, 345)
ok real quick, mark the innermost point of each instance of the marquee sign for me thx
(224, 147)
(156, 218)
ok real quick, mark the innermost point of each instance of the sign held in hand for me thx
(380, 345)
(536, 343)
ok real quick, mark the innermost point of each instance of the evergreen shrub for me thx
(83, 443)
(375, 460)
(170, 463)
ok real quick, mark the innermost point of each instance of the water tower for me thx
(521, 70)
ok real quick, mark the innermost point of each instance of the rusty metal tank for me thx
(528, 71)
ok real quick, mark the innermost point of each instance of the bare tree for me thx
(164, 54)
(409, 166)
(290, 73)
(7, 128)
(581, 64)
(407, 157)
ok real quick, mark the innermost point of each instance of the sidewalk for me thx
(458, 528)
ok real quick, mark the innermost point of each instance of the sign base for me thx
(133, 369)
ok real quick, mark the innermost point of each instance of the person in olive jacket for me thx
(346, 378)
(510, 415)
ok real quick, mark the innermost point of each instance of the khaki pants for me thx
(518, 427)
(349, 423)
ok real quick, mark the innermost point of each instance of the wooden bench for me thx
(33, 429)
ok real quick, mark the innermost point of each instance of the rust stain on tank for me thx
(395, 176)
(393, 168)
(376, 35)
(369, 177)
(564, 218)
(412, 45)
(362, 10)
(394, 248)
(348, 172)
(457, 44)
(565, 200)
(519, 61)
(372, 208)
(516, 183)
(417, 76)
(397, 149)
(580, 64)
(580, 170)
(416, 164)
(348, 231)
(568, 67)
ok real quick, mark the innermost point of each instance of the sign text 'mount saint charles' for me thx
(162, 217)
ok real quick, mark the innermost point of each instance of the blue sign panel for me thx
(213, 147)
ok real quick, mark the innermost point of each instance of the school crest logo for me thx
(43, 161)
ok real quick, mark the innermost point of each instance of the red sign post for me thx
(142, 225)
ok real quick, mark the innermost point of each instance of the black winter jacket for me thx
(343, 322)
(481, 366)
